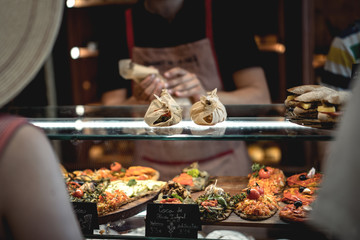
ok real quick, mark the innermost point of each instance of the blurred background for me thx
(293, 36)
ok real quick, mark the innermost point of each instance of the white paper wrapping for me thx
(209, 110)
(161, 106)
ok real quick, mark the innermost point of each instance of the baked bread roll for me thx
(209, 110)
(163, 111)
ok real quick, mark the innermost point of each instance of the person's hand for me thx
(145, 90)
(182, 83)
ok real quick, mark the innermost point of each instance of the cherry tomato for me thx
(78, 193)
(264, 173)
(253, 194)
(259, 189)
(115, 166)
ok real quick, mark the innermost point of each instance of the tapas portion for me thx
(193, 178)
(215, 204)
(315, 105)
(112, 188)
(299, 195)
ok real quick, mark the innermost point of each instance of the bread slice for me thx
(314, 96)
(298, 90)
(338, 98)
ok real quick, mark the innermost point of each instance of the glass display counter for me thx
(243, 123)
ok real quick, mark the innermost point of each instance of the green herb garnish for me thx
(174, 195)
(131, 182)
(193, 172)
(256, 168)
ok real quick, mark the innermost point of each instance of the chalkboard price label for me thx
(172, 220)
(87, 216)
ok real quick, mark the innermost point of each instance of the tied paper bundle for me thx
(209, 110)
(136, 72)
(163, 111)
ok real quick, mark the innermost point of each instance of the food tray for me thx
(128, 210)
(234, 185)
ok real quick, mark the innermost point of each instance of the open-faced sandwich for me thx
(174, 193)
(295, 212)
(257, 204)
(215, 204)
(306, 195)
(192, 178)
(272, 180)
(305, 179)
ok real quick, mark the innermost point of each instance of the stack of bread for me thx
(315, 102)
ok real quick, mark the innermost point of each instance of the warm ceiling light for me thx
(75, 53)
(70, 3)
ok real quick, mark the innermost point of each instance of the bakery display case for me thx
(82, 127)
(244, 122)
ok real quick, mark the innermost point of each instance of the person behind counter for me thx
(336, 212)
(193, 47)
(34, 202)
(343, 54)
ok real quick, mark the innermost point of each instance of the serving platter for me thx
(128, 210)
(233, 185)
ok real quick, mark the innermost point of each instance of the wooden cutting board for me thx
(128, 210)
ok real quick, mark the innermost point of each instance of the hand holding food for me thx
(184, 84)
(148, 80)
(150, 86)
(137, 72)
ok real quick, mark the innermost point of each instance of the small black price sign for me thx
(172, 220)
(87, 216)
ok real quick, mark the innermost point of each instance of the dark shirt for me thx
(233, 39)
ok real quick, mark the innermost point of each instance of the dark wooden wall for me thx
(305, 27)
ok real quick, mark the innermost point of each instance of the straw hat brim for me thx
(28, 30)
